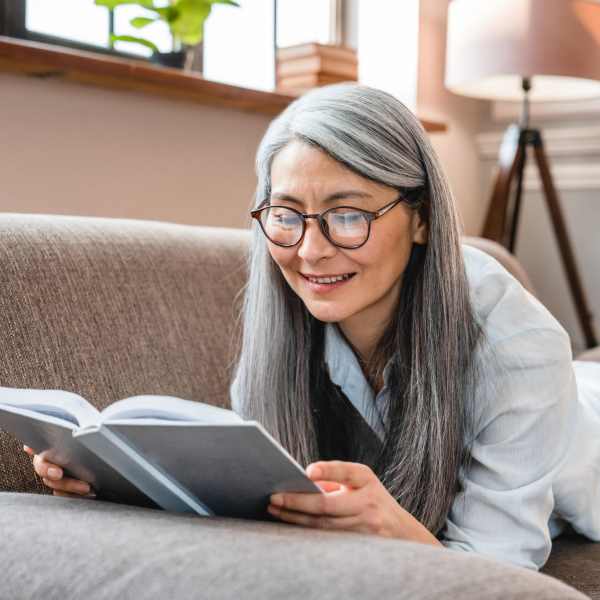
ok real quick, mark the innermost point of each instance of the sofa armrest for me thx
(504, 257)
(592, 355)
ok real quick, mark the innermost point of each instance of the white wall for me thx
(457, 148)
(73, 149)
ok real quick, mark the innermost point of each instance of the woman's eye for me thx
(349, 218)
(285, 221)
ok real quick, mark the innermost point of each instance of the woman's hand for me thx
(354, 499)
(52, 476)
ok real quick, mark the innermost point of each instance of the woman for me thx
(431, 397)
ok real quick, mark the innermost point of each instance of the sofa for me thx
(110, 308)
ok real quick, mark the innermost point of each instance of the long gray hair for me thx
(433, 332)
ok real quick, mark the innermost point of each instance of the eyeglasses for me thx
(344, 226)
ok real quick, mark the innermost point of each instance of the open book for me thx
(157, 451)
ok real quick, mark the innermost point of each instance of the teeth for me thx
(329, 279)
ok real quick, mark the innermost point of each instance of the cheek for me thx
(281, 256)
(384, 261)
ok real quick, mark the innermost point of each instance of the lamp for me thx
(526, 50)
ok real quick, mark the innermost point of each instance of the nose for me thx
(314, 244)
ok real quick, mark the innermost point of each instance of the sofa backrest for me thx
(110, 308)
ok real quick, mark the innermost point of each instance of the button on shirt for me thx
(536, 448)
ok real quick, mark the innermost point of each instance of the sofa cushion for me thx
(74, 548)
(576, 561)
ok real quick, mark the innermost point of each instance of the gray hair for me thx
(431, 338)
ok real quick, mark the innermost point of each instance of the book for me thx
(157, 451)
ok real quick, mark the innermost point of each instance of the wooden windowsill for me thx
(46, 60)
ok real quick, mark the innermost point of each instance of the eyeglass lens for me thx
(345, 226)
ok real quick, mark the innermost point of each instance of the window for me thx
(77, 20)
(239, 43)
(82, 23)
(305, 21)
(252, 27)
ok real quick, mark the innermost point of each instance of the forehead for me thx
(299, 164)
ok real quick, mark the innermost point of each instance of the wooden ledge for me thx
(46, 60)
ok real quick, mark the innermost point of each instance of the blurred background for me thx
(93, 123)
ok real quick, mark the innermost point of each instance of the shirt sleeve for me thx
(525, 403)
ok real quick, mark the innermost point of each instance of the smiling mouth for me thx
(329, 280)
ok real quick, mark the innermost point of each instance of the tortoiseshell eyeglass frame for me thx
(370, 216)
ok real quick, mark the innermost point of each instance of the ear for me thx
(420, 230)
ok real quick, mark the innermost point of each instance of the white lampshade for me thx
(493, 44)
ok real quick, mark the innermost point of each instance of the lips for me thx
(307, 275)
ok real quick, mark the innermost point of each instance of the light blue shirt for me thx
(536, 451)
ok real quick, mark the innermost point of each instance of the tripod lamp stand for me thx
(530, 51)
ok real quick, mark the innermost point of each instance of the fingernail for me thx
(277, 499)
(316, 472)
(85, 489)
(54, 473)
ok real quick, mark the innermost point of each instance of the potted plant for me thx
(185, 19)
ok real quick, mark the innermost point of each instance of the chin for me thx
(327, 314)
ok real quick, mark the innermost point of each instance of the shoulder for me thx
(525, 359)
(503, 306)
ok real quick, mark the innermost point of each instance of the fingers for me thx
(355, 475)
(46, 469)
(28, 450)
(52, 476)
(68, 495)
(338, 503)
(350, 497)
(318, 521)
(329, 486)
(67, 484)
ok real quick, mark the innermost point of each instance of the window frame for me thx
(13, 15)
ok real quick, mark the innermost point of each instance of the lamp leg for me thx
(521, 160)
(566, 253)
(510, 155)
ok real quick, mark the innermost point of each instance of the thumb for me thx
(329, 486)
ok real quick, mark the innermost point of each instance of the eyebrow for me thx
(331, 198)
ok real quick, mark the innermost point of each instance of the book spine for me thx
(149, 479)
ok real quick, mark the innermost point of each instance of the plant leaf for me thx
(167, 13)
(230, 2)
(140, 22)
(111, 4)
(135, 40)
(188, 25)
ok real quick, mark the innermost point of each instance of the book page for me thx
(167, 408)
(59, 404)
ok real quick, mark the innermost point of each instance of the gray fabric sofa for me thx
(110, 308)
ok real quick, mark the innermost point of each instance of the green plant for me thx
(185, 19)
